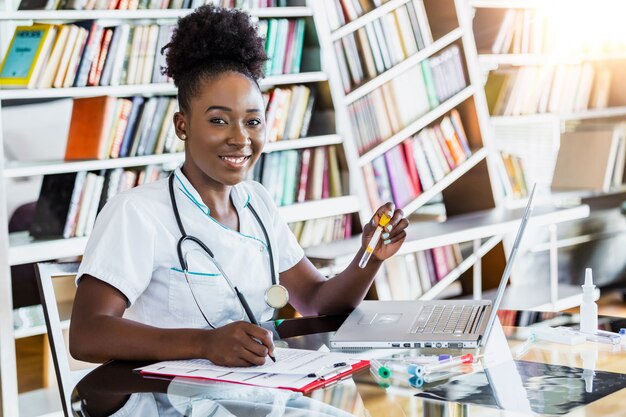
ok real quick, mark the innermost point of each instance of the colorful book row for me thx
(341, 12)
(408, 277)
(142, 4)
(525, 318)
(315, 232)
(417, 164)
(109, 127)
(514, 175)
(379, 45)
(284, 43)
(396, 104)
(92, 53)
(288, 112)
(68, 203)
(548, 89)
(295, 176)
(85, 53)
(524, 31)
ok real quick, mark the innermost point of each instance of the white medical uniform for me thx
(133, 248)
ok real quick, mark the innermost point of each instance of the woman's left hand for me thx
(393, 235)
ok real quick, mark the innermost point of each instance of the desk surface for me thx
(546, 380)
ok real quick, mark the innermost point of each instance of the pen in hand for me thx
(251, 317)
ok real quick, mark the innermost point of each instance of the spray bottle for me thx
(588, 308)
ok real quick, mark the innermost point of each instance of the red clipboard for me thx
(319, 383)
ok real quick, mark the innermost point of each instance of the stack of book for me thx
(535, 89)
(323, 230)
(109, 127)
(407, 277)
(415, 165)
(288, 112)
(294, 176)
(381, 44)
(396, 104)
(68, 203)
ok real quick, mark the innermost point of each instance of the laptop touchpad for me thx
(387, 318)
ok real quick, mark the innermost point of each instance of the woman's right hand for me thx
(237, 344)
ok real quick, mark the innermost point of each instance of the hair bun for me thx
(210, 35)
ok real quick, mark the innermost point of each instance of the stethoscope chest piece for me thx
(276, 296)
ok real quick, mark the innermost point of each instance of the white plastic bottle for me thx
(588, 308)
(590, 359)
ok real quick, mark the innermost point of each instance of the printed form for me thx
(294, 368)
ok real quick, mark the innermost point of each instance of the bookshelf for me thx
(578, 77)
(485, 229)
(443, 27)
(19, 248)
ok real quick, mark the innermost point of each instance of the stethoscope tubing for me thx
(185, 267)
(185, 236)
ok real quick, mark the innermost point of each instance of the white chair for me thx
(57, 290)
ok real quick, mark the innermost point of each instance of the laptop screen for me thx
(507, 269)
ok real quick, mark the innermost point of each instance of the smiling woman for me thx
(147, 289)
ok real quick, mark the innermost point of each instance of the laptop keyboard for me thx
(450, 319)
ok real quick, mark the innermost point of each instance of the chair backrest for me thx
(57, 290)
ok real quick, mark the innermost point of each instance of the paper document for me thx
(294, 369)
(288, 361)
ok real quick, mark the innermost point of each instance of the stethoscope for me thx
(276, 296)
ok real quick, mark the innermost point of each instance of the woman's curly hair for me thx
(209, 42)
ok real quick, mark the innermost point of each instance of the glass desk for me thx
(547, 379)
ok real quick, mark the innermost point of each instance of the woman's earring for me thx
(183, 137)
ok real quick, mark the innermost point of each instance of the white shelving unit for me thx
(411, 61)
(440, 234)
(39, 15)
(558, 118)
(536, 138)
(491, 225)
(20, 248)
(495, 60)
(146, 89)
(29, 169)
(417, 125)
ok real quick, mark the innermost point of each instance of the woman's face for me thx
(225, 128)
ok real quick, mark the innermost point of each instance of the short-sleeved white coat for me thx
(133, 248)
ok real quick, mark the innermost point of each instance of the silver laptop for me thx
(450, 324)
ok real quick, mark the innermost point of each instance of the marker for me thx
(414, 381)
(389, 368)
(379, 369)
(424, 359)
(440, 376)
(450, 363)
(410, 369)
